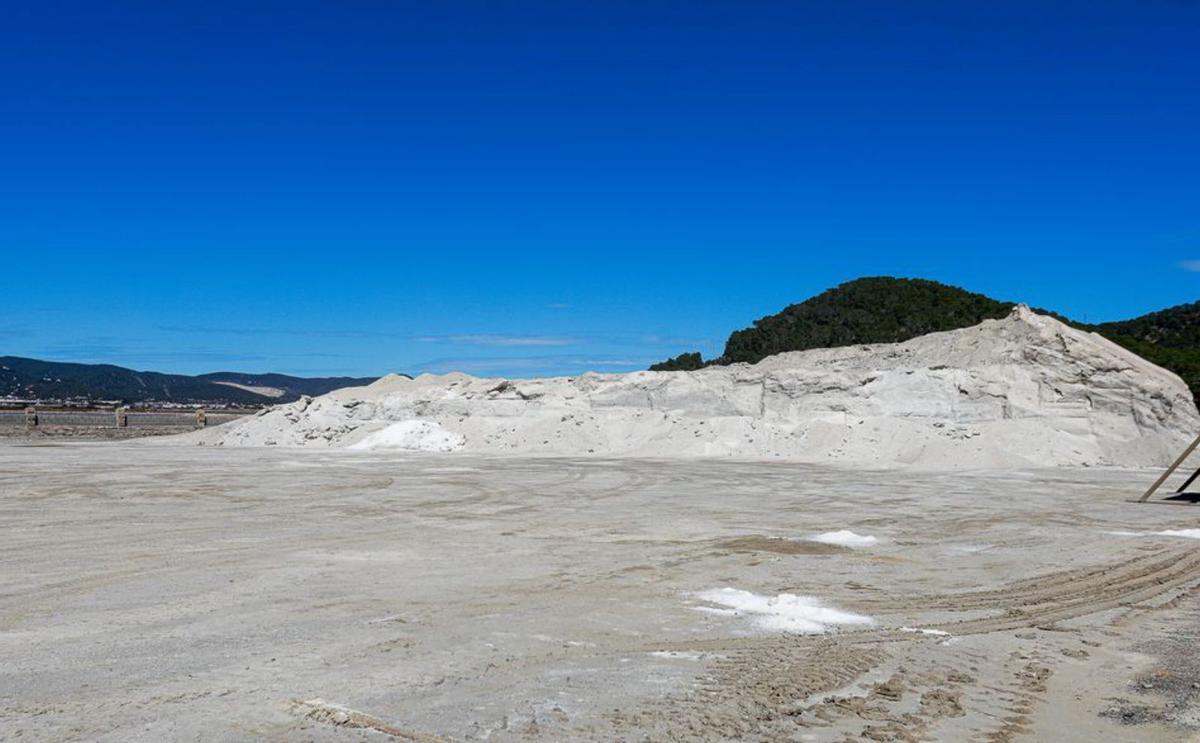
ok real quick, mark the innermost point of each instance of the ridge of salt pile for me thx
(1023, 391)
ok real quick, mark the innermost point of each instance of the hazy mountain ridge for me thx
(294, 387)
(34, 379)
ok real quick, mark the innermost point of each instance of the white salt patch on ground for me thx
(786, 612)
(412, 435)
(965, 549)
(400, 618)
(922, 631)
(1185, 533)
(844, 538)
(680, 655)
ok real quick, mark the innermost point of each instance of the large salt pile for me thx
(1023, 391)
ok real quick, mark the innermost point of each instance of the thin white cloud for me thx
(490, 340)
(1192, 265)
(314, 333)
(102, 353)
(533, 365)
(466, 339)
(673, 340)
(505, 341)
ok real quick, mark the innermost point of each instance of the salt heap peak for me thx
(1022, 391)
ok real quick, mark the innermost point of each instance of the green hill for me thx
(892, 310)
(1169, 338)
(870, 310)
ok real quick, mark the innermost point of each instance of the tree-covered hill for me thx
(1169, 338)
(682, 362)
(870, 310)
(1174, 327)
(893, 310)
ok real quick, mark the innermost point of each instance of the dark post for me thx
(1170, 470)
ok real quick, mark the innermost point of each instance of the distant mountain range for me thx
(892, 310)
(31, 379)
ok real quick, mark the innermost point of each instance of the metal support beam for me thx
(1188, 482)
(1171, 470)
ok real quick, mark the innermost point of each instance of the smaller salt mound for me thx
(844, 538)
(412, 435)
(786, 612)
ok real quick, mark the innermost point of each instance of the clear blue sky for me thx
(528, 188)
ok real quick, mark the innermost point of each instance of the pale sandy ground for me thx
(200, 594)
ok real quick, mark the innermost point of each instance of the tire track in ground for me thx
(1051, 588)
(756, 689)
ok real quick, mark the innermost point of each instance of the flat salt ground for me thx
(178, 593)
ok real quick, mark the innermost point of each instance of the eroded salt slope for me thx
(1023, 391)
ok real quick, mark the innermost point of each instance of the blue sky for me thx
(530, 188)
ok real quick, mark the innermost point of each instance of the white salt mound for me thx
(413, 435)
(844, 538)
(1025, 391)
(786, 612)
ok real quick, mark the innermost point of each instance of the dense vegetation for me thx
(891, 310)
(1175, 327)
(682, 362)
(31, 379)
(872, 310)
(1169, 338)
